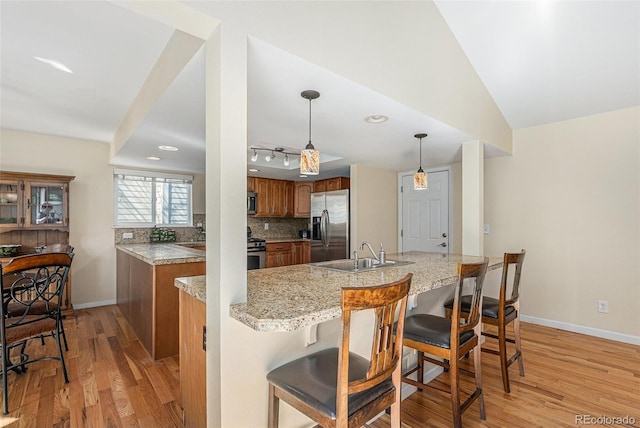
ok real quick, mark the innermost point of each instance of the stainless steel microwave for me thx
(252, 202)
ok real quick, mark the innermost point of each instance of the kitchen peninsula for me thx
(293, 311)
(290, 298)
(146, 294)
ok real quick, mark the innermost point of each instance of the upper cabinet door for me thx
(11, 215)
(47, 204)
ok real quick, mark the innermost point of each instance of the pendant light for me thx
(420, 177)
(310, 157)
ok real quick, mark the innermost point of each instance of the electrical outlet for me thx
(127, 235)
(198, 224)
(603, 306)
(266, 226)
(486, 229)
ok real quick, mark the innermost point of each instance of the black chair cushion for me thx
(489, 307)
(432, 330)
(313, 379)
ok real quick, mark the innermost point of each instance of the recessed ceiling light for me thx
(168, 148)
(55, 64)
(303, 176)
(376, 118)
(153, 158)
(253, 170)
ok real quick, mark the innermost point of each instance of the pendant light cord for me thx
(420, 153)
(309, 120)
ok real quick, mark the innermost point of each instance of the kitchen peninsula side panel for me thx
(148, 299)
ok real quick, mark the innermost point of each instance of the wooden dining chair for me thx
(59, 248)
(338, 388)
(449, 339)
(29, 283)
(500, 312)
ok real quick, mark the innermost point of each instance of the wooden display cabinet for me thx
(34, 211)
(34, 201)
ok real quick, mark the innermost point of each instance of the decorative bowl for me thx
(9, 250)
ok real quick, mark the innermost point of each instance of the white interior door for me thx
(425, 214)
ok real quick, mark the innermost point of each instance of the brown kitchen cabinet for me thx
(289, 198)
(279, 254)
(193, 360)
(302, 198)
(275, 197)
(250, 184)
(301, 252)
(330, 184)
(288, 253)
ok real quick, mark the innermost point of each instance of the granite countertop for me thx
(165, 253)
(194, 286)
(278, 240)
(292, 297)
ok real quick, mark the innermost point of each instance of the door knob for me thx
(444, 244)
(444, 235)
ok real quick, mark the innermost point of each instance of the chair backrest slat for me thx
(468, 272)
(511, 259)
(386, 349)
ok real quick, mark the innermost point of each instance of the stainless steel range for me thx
(256, 253)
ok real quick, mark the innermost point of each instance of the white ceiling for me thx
(545, 61)
(542, 61)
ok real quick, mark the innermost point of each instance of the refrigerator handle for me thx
(326, 228)
(322, 228)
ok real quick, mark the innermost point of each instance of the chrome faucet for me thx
(365, 243)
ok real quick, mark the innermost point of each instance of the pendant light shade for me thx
(420, 177)
(309, 156)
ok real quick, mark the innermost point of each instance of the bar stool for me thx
(449, 339)
(338, 388)
(500, 312)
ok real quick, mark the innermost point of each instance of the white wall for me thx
(198, 192)
(90, 203)
(570, 195)
(374, 209)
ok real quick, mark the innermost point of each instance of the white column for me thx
(472, 198)
(226, 137)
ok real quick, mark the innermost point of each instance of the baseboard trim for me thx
(94, 304)
(590, 331)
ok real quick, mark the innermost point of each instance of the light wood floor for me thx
(113, 383)
(566, 374)
(112, 380)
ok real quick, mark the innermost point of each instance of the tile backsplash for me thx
(143, 235)
(279, 228)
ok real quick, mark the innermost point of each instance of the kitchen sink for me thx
(364, 265)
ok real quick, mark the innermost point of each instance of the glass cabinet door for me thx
(10, 204)
(47, 204)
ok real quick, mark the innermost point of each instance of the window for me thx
(147, 199)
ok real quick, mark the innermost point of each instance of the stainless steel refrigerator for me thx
(329, 225)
